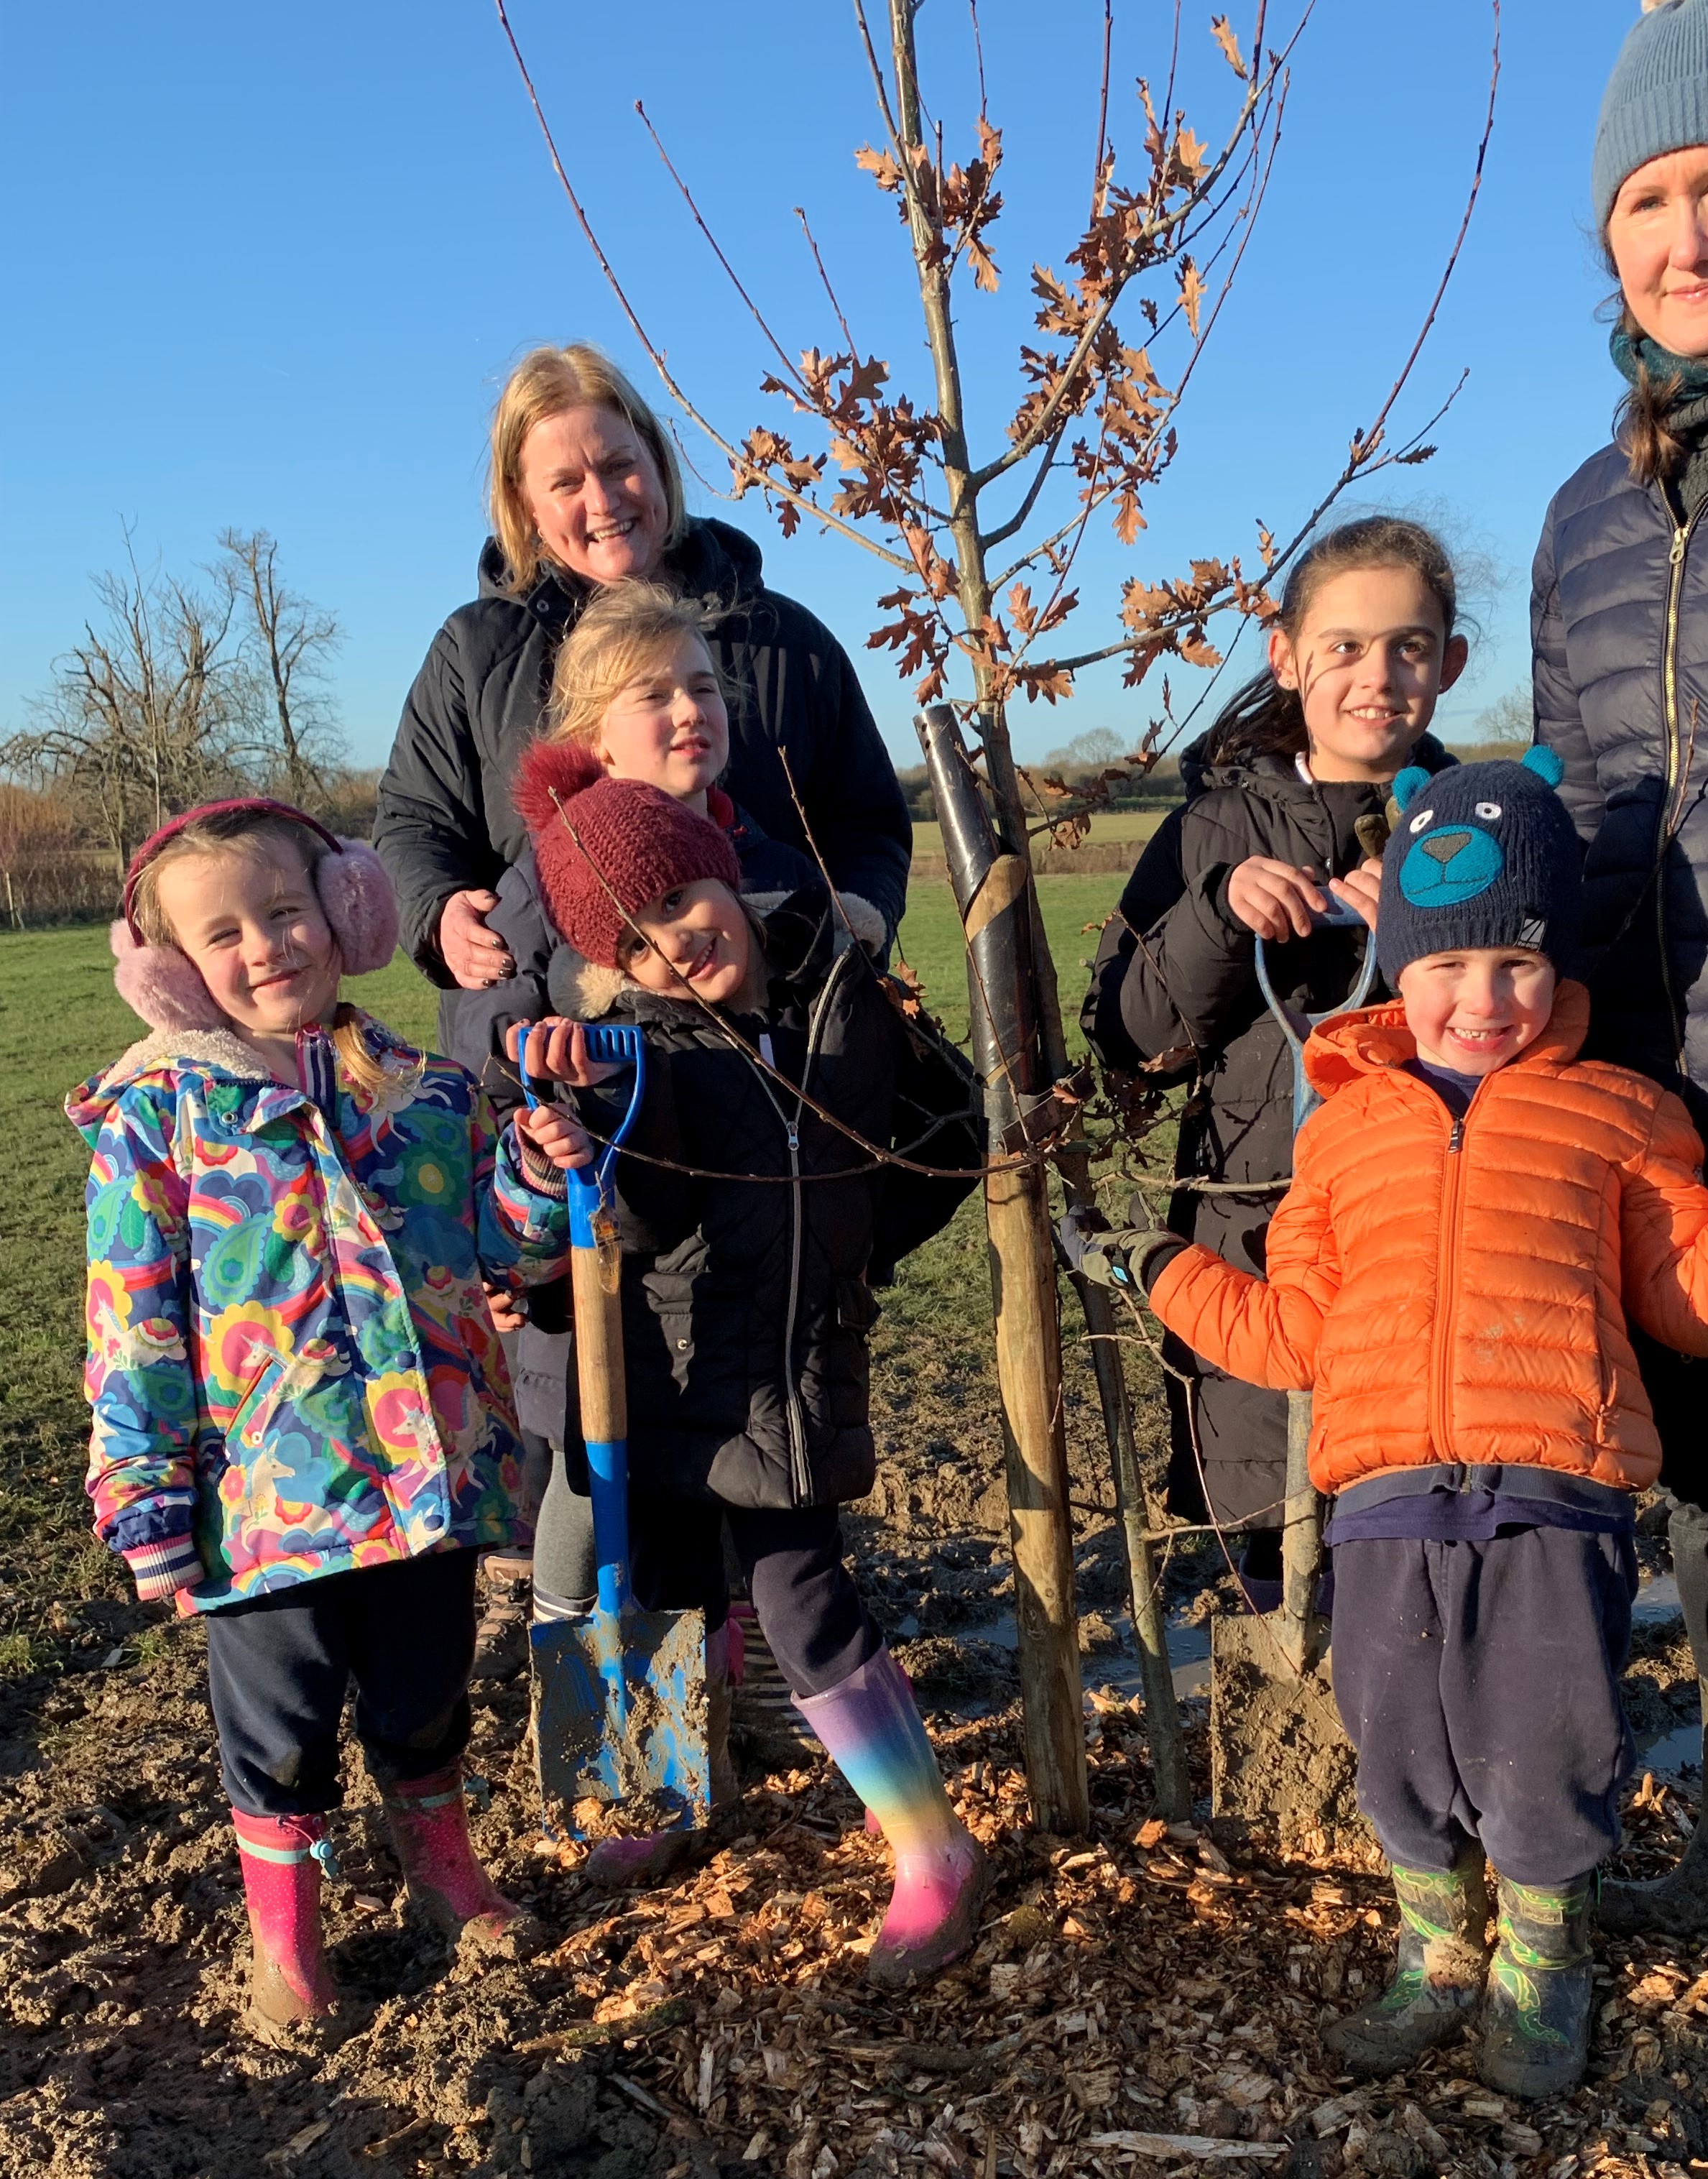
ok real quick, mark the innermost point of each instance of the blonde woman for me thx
(585, 494)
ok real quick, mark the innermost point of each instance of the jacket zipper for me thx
(1447, 1280)
(1675, 783)
(800, 1474)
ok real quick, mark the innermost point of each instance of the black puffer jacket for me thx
(1191, 988)
(746, 1302)
(444, 821)
(1619, 623)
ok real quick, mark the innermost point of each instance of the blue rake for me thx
(620, 1696)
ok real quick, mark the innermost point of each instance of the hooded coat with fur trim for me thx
(1456, 1290)
(292, 1364)
(745, 1300)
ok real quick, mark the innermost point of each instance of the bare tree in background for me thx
(980, 548)
(149, 713)
(289, 643)
(1510, 720)
(178, 695)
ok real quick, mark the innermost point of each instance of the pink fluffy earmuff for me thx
(162, 986)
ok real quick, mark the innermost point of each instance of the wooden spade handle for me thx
(598, 1351)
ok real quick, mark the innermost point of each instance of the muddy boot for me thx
(649, 1857)
(871, 1728)
(1437, 1978)
(281, 1858)
(429, 1824)
(1536, 2014)
(501, 1638)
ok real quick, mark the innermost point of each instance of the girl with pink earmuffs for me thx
(302, 1430)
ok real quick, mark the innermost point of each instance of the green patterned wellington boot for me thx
(1437, 1978)
(1535, 2015)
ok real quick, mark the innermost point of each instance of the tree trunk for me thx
(993, 891)
(1167, 1743)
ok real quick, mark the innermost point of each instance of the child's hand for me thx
(556, 1136)
(1361, 889)
(554, 1050)
(1274, 899)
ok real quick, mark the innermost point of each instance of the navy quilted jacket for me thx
(1619, 630)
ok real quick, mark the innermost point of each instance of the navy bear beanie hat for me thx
(1481, 854)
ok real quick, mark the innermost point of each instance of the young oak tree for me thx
(981, 545)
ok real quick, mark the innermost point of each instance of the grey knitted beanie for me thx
(1656, 99)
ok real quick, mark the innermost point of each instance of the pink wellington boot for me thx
(871, 1728)
(649, 1857)
(429, 1824)
(281, 1858)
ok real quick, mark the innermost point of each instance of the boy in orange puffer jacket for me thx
(1473, 1211)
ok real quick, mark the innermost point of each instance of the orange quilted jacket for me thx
(1457, 1289)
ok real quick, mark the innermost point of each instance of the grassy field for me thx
(1134, 825)
(60, 1020)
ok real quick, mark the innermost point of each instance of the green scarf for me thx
(1690, 371)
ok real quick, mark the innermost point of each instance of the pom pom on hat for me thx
(629, 844)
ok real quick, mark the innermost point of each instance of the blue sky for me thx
(267, 267)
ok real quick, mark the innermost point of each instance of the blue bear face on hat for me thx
(1451, 861)
(1448, 864)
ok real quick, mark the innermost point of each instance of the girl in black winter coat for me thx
(1619, 626)
(1282, 795)
(774, 1058)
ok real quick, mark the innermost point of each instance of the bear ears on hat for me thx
(1407, 784)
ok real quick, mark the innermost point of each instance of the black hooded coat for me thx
(1176, 978)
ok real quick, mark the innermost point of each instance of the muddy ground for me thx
(1136, 1983)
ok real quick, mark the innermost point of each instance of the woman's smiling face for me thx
(1657, 236)
(594, 495)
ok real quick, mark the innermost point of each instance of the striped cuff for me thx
(162, 1569)
(541, 1174)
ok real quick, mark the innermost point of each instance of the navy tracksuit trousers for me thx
(1479, 1683)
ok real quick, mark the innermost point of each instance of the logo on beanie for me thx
(1447, 864)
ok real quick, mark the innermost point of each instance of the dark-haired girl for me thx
(1619, 619)
(1363, 645)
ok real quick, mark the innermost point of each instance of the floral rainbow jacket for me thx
(291, 1364)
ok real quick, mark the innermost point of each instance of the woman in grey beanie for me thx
(1619, 624)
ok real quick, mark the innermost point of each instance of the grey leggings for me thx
(808, 1608)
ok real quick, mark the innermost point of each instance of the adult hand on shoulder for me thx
(1361, 889)
(1274, 899)
(475, 956)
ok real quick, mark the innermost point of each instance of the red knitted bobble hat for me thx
(638, 840)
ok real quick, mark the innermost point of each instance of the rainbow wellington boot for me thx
(872, 1729)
